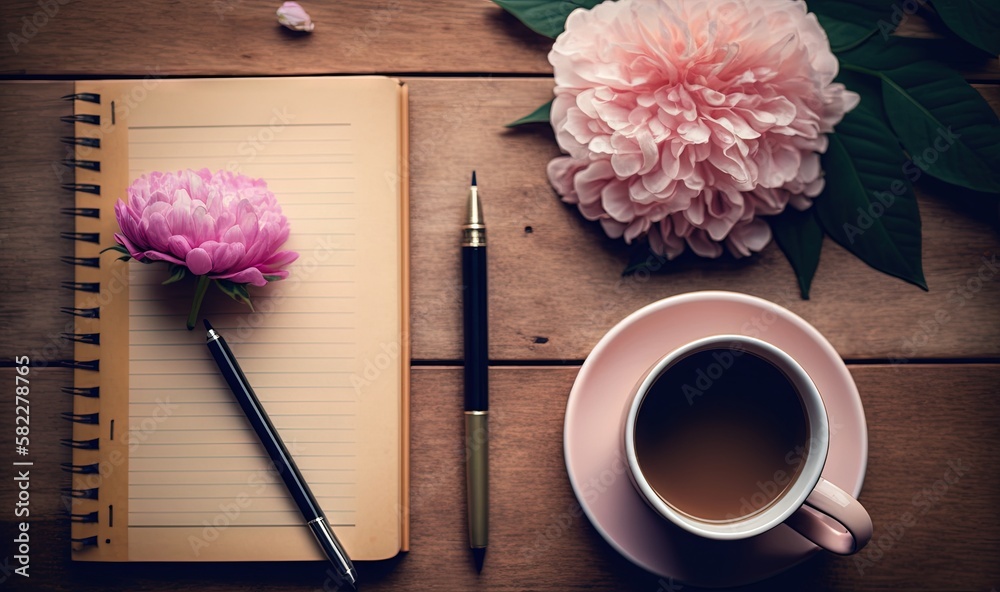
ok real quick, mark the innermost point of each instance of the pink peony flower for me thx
(686, 120)
(222, 225)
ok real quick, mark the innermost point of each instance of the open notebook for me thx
(165, 465)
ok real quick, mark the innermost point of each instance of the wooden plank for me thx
(241, 37)
(555, 290)
(920, 421)
(30, 222)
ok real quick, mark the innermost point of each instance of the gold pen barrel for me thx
(477, 476)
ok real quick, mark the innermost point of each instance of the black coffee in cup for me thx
(721, 434)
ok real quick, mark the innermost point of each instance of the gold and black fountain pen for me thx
(476, 366)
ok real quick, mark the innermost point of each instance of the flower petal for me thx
(251, 276)
(198, 261)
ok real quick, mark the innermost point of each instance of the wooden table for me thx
(556, 288)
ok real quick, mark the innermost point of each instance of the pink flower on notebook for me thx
(218, 226)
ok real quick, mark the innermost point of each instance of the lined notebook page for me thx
(306, 348)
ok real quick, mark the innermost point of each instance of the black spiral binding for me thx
(90, 541)
(89, 418)
(82, 261)
(81, 364)
(87, 97)
(82, 212)
(81, 493)
(89, 517)
(87, 313)
(77, 141)
(91, 392)
(92, 444)
(90, 165)
(87, 237)
(83, 188)
(91, 469)
(92, 287)
(91, 338)
(82, 161)
(82, 118)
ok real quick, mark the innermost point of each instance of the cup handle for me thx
(833, 519)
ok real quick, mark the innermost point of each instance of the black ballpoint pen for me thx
(476, 368)
(283, 462)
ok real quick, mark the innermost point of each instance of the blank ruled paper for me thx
(321, 348)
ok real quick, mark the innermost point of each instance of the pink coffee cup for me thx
(816, 508)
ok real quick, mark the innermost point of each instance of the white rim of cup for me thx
(818, 443)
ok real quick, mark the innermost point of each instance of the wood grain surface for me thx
(242, 37)
(555, 290)
(921, 422)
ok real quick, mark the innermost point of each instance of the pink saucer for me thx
(596, 403)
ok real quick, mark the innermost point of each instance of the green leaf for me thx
(177, 273)
(800, 237)
(540, 115)
(844, 35)
(870, 90)
(124, 258)
(545, 17)
(848, 23)
(120, 248)
(237, 292)
(879, 53)
(976, 21)
(272, 278)
(945, 124)
(643, 258)
(868, 206)
(949, 130)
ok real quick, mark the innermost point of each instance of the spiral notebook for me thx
(165, 466)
